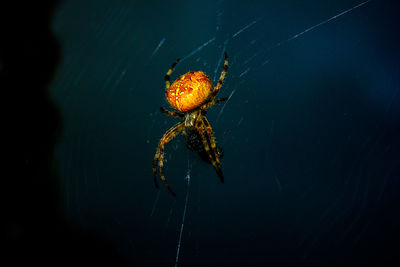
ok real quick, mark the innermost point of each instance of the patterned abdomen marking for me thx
(189, 91)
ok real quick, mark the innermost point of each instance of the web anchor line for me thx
(187, 178)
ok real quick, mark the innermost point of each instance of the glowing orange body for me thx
(189, 91)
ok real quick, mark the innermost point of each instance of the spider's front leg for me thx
(206, 133)
(159, 156)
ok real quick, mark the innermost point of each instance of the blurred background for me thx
(310, 133)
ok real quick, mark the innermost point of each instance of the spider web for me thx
(103, 89)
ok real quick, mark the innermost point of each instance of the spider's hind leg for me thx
(222, 77)
(171, 69)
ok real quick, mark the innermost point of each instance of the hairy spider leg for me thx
(222, 77)
(209, 145)
(213, 102)
(172, 113)
(171, 69)
(159, 156)
(213, 151)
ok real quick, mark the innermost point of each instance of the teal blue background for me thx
(310, 132)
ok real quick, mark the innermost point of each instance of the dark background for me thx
(310, 133)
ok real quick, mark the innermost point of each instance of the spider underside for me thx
(193, 120)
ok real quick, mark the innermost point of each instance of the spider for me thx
(191, 95)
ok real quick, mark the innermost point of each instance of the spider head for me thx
(189, 91)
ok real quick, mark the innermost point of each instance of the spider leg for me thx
(185, 134)
(171, 113)
(213, 151)
(220, 100)
(222, 77)
(169, 73)
(208, 139)
(159, 156)
(213, 102)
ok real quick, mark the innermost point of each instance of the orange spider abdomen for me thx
(189, 91)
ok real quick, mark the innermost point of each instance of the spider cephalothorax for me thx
(191, 95)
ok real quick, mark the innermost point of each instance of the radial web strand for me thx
(187, 178)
